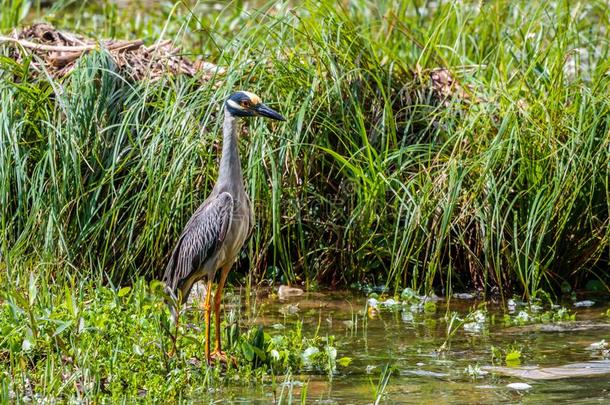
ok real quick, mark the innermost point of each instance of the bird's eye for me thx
(245, 103)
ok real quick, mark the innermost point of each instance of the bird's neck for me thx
(229, 174)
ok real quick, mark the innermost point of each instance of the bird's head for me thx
(246, 104)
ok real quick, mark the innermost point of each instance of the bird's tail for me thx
(172, 302)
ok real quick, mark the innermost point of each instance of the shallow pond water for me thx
(409, 342)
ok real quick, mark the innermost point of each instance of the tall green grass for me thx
(374, 177)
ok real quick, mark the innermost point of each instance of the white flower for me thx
(331, 352)
(310, 351)
(389, 303)
(479, 316)
(523, 316)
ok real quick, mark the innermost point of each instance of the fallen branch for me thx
(48, 48)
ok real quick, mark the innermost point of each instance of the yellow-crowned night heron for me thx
(216, 232)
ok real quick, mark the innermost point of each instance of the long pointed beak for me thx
(265, 111)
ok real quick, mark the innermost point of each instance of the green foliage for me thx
(88, 341)
(474, 371)
(513, 358)
(344, 361)
(527, 316)
(409, 295)
(504, 183)
(379, 390)
(430, 307)
(111, 343)
(289, 352)
(12, 12)
(497, 180)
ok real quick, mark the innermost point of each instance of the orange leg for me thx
(217, 301)
(208, 309)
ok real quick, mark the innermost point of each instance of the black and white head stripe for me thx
(246, 104)
(240, 103)
(243, 99)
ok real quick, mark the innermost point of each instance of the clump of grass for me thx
(374, 177)
(12, 12)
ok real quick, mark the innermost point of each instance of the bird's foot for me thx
(222, 357)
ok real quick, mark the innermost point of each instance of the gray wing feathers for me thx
(200, 239)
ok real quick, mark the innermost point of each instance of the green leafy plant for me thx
(513, 358)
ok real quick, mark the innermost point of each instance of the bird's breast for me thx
(239, 229)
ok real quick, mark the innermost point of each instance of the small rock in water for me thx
(389, 303)
(463, 296)
(432, 297)
(290, 309)
(423, 373)
(584, 304)
(473, 327)
(286, 292)
(380, 288)
(519, 386)
(602, 344)
(572, 370)
(292, 384)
